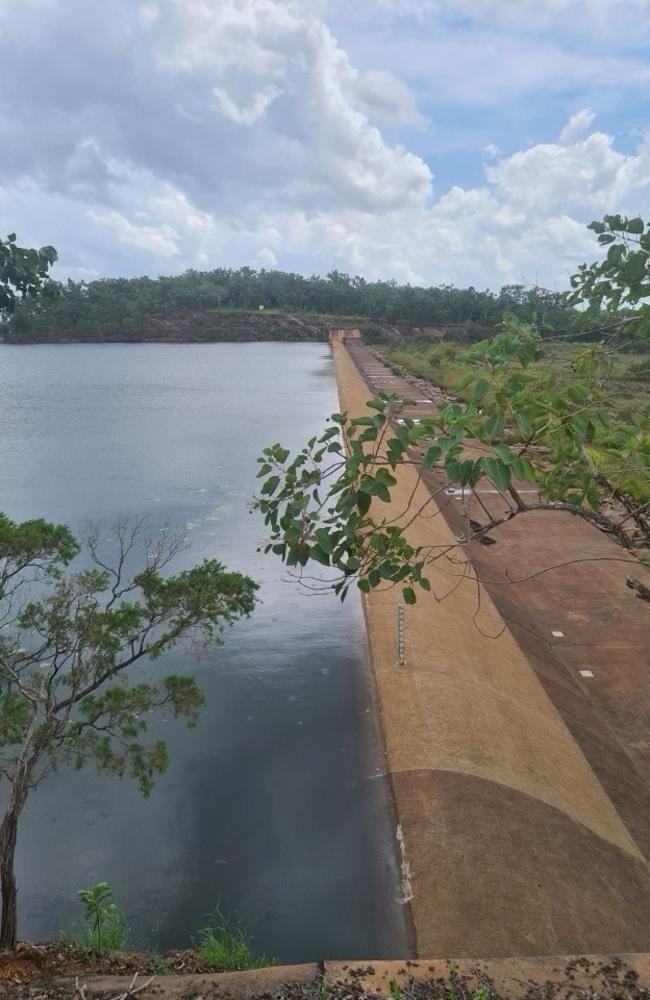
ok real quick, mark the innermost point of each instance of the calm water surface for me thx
(275, 806)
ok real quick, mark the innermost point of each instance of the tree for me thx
(520, 425)
(68, 643)
(621, 281)
(115, 308)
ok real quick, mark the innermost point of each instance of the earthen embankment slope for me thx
(513, 843)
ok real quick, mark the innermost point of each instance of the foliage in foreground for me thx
(519, 427)
(24, 274)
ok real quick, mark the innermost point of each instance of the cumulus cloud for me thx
(154, 136)
(526, 223)
(159, 241)
(386, 99)
(168, 87)
(576, 126)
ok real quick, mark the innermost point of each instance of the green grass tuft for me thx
(115, 936)
(224, 946)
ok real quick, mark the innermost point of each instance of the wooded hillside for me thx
(219, 305)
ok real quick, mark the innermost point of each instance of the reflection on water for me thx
(274, 806)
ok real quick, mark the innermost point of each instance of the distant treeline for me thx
(135, 308)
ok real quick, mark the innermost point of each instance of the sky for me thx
(426, 141)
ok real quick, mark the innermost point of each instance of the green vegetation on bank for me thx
(223, 945)
(627, 374)
(103, 928)
(219, 305)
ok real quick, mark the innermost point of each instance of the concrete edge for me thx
(509, 976)
(234, 984)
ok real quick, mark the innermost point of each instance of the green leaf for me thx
(324, 540)
(523, 469)
(466, 380)
(494, 425)
(497, 472)
(524, 423)
(409, 595)
(317, 553)
(480, 389)
(431, 456)
(363, 502)
(270, 485)
(636, 265)
(504, 453)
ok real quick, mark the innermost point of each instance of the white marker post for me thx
(401, 660)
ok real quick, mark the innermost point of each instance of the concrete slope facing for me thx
(513, 844)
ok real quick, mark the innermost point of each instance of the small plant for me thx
(224, 946)
(157, 964)
(395, 990)
(104, 927)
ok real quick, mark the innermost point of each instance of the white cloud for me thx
(159, 241)
(266, 258)
(576, 126)
(170, 96)
(526, 223)
(194, 133)
(251, 112)
(491, 150)
(386, 99)
(483, 66)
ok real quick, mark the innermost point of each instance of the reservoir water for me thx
(275, 806)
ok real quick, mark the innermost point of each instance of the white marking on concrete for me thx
(467, 491)
(405, 881)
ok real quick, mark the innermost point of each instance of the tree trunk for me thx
(9, 924)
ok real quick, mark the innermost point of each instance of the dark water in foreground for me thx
(275, 805)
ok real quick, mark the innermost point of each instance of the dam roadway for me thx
(517, 734)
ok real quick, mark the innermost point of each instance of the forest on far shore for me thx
(205, 305)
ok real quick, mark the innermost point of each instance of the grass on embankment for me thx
(628, 386)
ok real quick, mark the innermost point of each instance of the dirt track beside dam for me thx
(520, 784)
